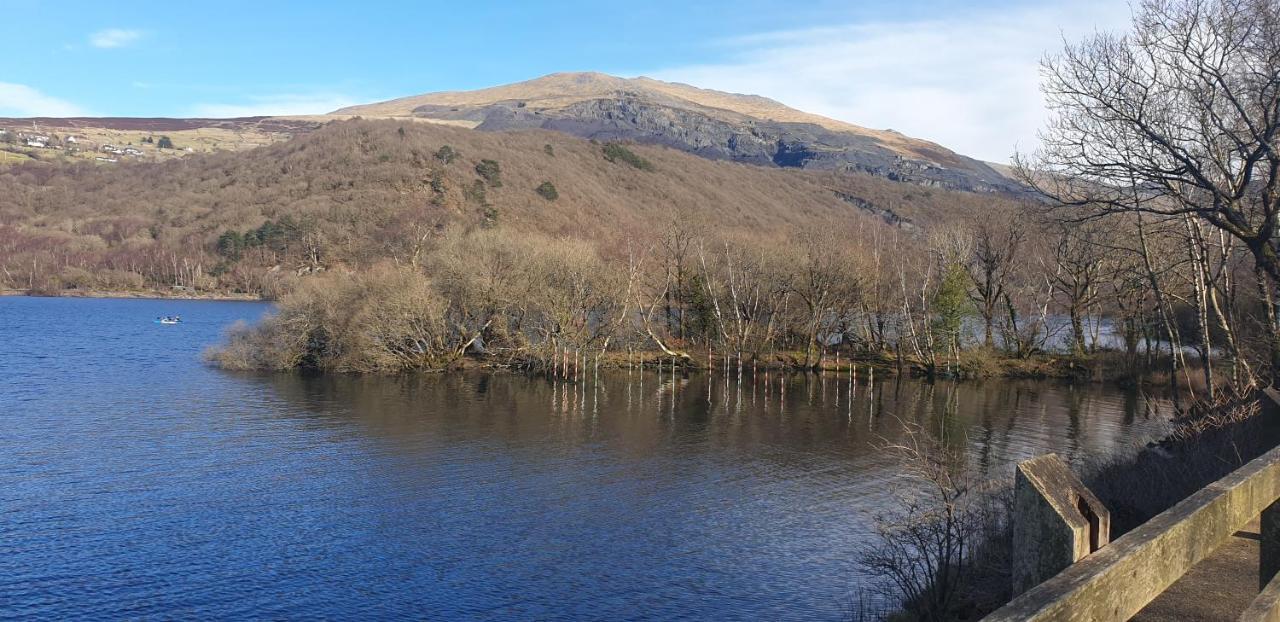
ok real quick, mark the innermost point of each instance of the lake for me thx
(136, 482)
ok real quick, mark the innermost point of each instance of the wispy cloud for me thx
(969, 82)
(275, 105)
(20, 100)
(114, 38)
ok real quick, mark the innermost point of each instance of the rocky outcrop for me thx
(632, 116)
(712, 124)
(887, 215)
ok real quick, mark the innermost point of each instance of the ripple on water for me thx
(136, 482)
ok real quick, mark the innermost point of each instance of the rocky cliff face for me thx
(711, 124)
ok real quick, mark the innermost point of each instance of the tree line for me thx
(961, 299)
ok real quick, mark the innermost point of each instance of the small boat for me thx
(169, 320)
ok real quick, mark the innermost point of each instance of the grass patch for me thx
(547, 191)
(615, 152)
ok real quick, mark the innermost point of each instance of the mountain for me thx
(712, 124)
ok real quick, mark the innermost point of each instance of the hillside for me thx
(709, 123)
(356, 192)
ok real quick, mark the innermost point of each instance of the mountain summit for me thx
(712, 124)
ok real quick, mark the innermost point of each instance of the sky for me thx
(963, 74)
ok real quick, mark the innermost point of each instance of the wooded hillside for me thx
(357, 192)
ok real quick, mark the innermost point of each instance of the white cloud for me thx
(969, 82)
(20, 100)
(114, 38)
(275, 105)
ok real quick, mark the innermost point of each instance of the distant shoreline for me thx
(142, 295)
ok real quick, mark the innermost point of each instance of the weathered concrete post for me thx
(1269, 546)
(1056, 521)
(1269, 521)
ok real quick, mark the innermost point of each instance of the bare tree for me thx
(1186, 109)
(995, 248)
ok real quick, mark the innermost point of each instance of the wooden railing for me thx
(1117, 581)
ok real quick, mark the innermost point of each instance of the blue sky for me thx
(960, 73)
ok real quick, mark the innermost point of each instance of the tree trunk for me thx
(1077, 331)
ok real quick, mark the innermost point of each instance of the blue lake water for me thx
(138, 483)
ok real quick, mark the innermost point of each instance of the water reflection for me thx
(165, 488)
(836, 415)
(714, 496)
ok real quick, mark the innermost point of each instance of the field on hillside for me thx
(72, 139)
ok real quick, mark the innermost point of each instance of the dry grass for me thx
(366, 188)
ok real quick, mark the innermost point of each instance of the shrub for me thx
(979, 363)
(924, 552)
(548, 191)
(123, 280)
(476, 193)
(549, 149)
(388, 319)
(447, 154)
(615, 152)
(490, 172)
(73, 277)
(164, 143)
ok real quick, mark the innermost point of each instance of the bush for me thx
(164, 143)
(122, 280)
(490, 216)
(386, 320)
(73, 277)
(476, 193)
(490, 172)
(615, 152)
(548, 191)
(549, 149)
(447, 154)
(979, 363)
(924, 553)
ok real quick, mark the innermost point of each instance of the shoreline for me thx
(862, 367)
(135, 295)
